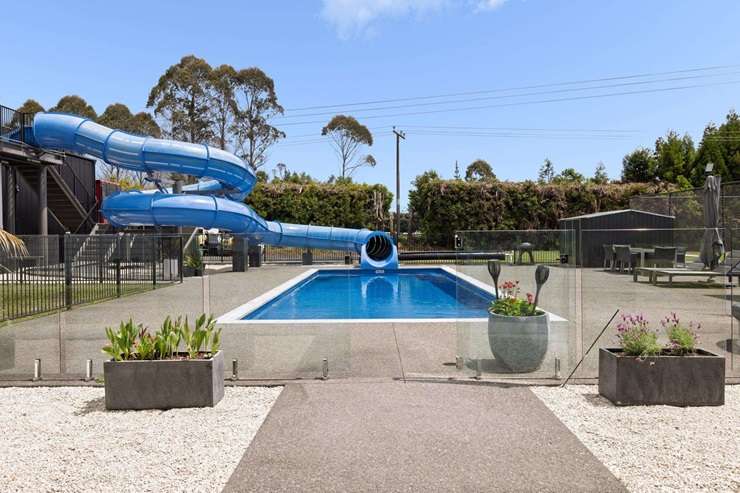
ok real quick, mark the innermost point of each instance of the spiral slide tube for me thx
(215, 203)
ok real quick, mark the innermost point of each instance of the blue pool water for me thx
(354, 294)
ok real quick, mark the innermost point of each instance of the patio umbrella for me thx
(712, 247)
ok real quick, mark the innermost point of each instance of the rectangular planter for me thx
(164, 384)
(696, 380)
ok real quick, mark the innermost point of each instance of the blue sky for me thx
(334, 52)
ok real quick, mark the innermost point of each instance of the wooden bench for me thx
(654, 272)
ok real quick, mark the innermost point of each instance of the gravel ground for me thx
(655, 448)
(63, 439)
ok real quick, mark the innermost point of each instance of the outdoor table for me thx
(643, 253)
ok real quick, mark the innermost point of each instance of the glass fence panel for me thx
(512, 342)
(654, 274)
(291, 321)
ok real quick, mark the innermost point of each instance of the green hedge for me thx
(351, 205)
(441, 207)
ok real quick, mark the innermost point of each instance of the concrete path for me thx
(415, 437)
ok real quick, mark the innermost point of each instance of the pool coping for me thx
(236, 316)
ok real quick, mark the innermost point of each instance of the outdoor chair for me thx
(608, 257)
(663, 257)
(623, 257)
(680, 256)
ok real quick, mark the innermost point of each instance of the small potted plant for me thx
(194, 261)
(152, 372)
(518, 332)
(643, 372)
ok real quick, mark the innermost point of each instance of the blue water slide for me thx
(217, 202)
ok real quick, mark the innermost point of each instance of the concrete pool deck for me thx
(397, 436)
(360, 350)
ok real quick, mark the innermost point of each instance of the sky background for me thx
(338, 52)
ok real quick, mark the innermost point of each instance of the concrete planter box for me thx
(695, 380)
(519, 342)
(164, 384)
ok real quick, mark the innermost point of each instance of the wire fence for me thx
(58, 272)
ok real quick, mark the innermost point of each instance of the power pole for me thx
(399, 135)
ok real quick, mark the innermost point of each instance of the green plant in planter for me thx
(203, 335)
(132, 341)
(194, 259)
(682, 339)
(121, 343)
(510, 304)
(636, 337)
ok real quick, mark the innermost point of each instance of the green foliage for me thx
(600, 176)
(636, 337)
(441, 207)
(202, 336)
(182, 98)
(346, 204)
(74, 105)
(682, 339)
(639, 166)
(256, 103)
(546, 173)
(30, 106)
(674, 157)
(510, 304)
(194, 257)
(348, 136)
(133, 341)
(479, 170)
(121, 343)
(569, 175)
(720, 145)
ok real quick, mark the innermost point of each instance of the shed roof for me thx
(608, 213)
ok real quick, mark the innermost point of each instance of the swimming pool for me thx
(351, 294)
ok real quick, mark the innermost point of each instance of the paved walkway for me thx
(415, 437)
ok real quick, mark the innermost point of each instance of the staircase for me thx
(63, 205)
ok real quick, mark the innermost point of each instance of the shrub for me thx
(347, 205)
(636, 337)
(682, 339)
(441, 207)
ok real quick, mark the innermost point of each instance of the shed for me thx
(584, 236)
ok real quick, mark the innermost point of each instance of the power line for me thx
(535, 86)
(510, 96)
(541, 101)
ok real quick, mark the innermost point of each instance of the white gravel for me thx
(63, 439)
(655, 448)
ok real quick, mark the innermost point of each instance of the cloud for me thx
(484, 5)
(355, 17)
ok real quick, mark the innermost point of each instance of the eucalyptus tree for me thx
(74, 105)
(182, 99)
(223, 103)
(256, 105)
(348, 136)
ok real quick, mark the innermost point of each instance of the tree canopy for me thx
(348, 137)
(182, 98)
(256, 104)
(74, 105)
(31, 106)
(479, 170)
(547, 172)
(639, 166)
(569, 175)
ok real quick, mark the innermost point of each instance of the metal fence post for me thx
(179, 259)
(67, 271)
(154, 262)
(117, 263)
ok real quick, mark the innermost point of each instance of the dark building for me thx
(42, 192)
(584, 236)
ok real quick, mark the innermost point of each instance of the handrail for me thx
(190, 239)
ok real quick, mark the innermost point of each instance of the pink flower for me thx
(530, 298)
